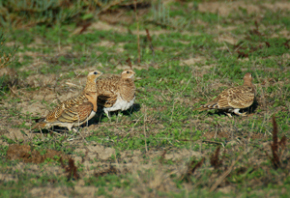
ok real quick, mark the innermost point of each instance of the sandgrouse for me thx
(233, 99)
(116, 92)
(76, 110)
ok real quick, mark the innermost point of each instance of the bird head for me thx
(248, 78)
(93, 75)
(128, 73)
(91, 81)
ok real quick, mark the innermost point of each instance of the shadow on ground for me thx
(249, 110)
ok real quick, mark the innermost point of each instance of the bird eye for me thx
(95, 73)
(128, 72)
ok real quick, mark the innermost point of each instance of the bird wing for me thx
(77, 113)
(220, 102)
(70, 109)
(107, 99)
(55, 113)
(108, 91)
(241, 97)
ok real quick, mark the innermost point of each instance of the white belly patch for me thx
(120, 104)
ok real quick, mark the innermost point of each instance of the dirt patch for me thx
(277, 6)
(228, 39)
(121, 16)
(40, 80)
(97, 152)
(192, 61)
(200, 71)
(226, 8)
(49, 192)
(7, 177)
(221, 134)
(181, 154)
(282, 33)
(8, 72)
(24, 153)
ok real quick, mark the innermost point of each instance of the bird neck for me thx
(91, 87)
(248, 83)
(92, 98)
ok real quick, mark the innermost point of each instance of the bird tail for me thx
(202, 108)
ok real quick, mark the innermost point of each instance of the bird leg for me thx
(69, 127)
(75, 130)
(228, 114)
(236, 111)
(108, 114)
(119, 113)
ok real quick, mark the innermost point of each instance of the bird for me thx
(76, 110)
(233, 99)
(116, 92)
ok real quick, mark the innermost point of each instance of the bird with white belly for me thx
(116, 93)
(233, 99)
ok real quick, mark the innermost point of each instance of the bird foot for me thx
(75, 130)
(241, 114)
(228, 114)
(108, 116)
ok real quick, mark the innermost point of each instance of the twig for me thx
(128, 61)
(224, 175)
(117, 2)
(163, 25)
(150, 41)
(138, 36)
(73, 85)
(145, 118)
(55, 92)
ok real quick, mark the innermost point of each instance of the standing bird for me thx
(234, 99)
(76, 110)
(116, 93)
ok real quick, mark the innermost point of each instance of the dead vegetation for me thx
(192, 166)
(110, 170)
(223, 168)
(28, 155)
(214, 159)
(277, 147)
(71, 169)
(16, 12)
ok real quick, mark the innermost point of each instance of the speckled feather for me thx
(76, 110)
(111, 87)
(234, 98)
(72, 110)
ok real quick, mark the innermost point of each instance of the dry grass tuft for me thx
(214, 159)
(71, 169)
(27, 155)
(191, 169)
(276, 154)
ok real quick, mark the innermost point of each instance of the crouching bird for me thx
(116, 93)
(76, 110)
(233, 99)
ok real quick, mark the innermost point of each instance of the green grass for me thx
(191, 64)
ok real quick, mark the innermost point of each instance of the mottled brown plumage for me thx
(116, 92)
(234, 99)
(74, 111)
